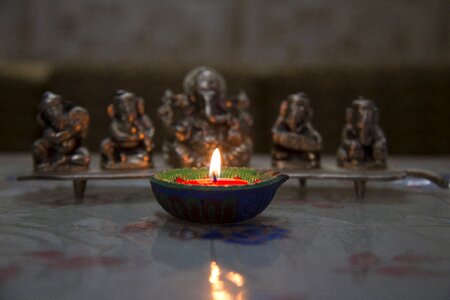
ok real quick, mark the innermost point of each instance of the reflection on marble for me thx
(318, 243)
(226, 286)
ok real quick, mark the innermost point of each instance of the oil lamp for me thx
(215, 195)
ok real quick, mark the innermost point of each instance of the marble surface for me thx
(318, 243)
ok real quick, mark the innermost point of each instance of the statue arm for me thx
(56, 137)
(50, 135)
(165, 111)
(315, 138)
(118, 135)
(380, 138)
(217, 119)
(238, 154)
(380, 146)
(294, 141)
(183, 131)
(146, 132)
(248, 120)
(78, 123)
(149, 129)
(348, 138)
(279, 133)
(350, 145)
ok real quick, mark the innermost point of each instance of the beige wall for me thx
(257, 34)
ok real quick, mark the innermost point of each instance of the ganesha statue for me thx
(130, 141)
(296, 144)
(203, 118)
(60, 146)
(363, 144)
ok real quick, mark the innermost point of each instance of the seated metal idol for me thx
(130, 143)
(296, 144)
(65, 125)
(203, 118)
(363, 144)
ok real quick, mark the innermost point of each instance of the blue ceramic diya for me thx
(215, 204)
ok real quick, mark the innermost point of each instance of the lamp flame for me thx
(214, 167)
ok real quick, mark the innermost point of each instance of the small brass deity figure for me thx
(65, 125)
(203, 118)
(130, 143)
(363, 144)
(296, 144)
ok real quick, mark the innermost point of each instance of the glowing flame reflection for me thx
(226, 287)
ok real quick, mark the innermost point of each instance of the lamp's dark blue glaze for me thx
(216, 204)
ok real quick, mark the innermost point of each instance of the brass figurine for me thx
(296, 144)
(203, 118)
(130, 143)
(60, 147)
(363, 144)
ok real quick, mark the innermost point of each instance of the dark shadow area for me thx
(413, 101)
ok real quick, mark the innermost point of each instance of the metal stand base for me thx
(360, 188)
(360, 178)
(79, 187)
(302, 182)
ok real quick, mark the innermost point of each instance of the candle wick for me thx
(214, 177)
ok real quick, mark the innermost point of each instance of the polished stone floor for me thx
(316, 243)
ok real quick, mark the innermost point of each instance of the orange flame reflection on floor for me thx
(225, 290)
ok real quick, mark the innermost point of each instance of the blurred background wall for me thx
(395, 52)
